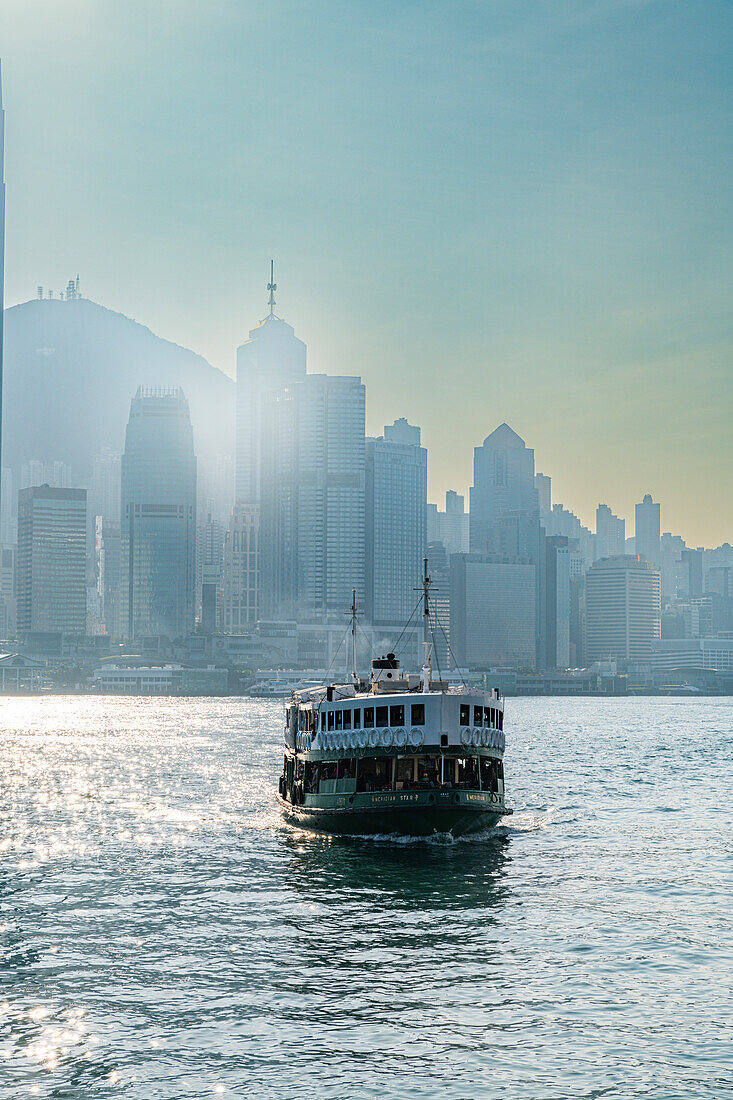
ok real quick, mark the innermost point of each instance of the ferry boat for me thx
(395, 753)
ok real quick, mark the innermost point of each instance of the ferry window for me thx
(382, 716)
(357, 718)
(478, 716)
(311, 777)
(449, 771)
(327, 770)
(347, 719)
(368, 717)
(428, 772)
(375, 773)
(500, 716)
(488, 774)
(339, 719)
(487, 716)
(467, 772)
(330, 719)
(465, 714)
(418, 714)
(347, 769)
(405, 773)
(323, 720)
(500, 769)
(397, 715)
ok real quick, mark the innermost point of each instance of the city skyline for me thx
(569, 277)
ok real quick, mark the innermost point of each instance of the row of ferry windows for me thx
(381, 717)
(401, 774)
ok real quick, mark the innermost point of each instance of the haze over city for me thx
(509, 212)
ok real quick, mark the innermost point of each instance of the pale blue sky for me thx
(491, 211)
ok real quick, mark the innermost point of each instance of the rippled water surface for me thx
(165, 935)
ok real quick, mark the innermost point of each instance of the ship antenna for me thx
(427, 669)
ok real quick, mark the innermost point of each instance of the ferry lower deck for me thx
(416, 794)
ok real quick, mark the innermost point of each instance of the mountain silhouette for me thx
(71, 369)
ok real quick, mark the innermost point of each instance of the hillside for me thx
(71, 369)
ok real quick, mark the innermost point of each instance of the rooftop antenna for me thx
(272, 287)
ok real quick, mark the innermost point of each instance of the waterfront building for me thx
(240, 572)
(646, 531)
(158, 566)
(51, 566)
(610, 533)
(557, 596)
(623, 613)
(492, 612)
(396, 483)
(451, 526)
(313, 498)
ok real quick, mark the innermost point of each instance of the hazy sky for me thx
(497, 210)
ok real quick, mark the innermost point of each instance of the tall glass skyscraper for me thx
(396, 521)
(312, 498)
(158, 567)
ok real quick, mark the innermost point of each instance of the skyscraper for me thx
(503, 482)
(158, 567)
(557, 597)
(505, 515)
(492, 612)
(610, 533)
(313, 498)
(240, 590)
(646, 532)
(623, 610)
(52, 560)
(396, 511)
(451, 526)
(272, 359)
(2, 263)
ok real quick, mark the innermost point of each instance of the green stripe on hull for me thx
(409, 813)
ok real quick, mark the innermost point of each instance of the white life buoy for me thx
(373, 738)
(485, 738)
(399, 738)
(417, 737)
(476, 737)
(465, 737)
(350, 739)
(362, 738)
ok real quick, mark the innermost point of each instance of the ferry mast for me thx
(427, 668)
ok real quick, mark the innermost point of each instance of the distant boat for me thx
(394, 754)
(280, 688)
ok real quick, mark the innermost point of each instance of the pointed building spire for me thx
(272, 287)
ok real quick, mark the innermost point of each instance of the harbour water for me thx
(166, 936)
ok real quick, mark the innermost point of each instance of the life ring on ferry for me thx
(363, 739)
(465, 737)
(350, 740)
(417, 737)
(502, 741)
(399, 738)
(476, 737)
(485, 739)
(385, 738)
(373, 737)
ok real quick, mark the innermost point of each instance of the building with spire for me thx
(271, 360)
